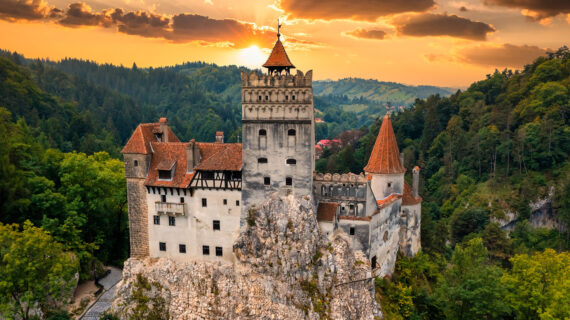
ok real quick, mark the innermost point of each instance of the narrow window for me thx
(136, 163)
(373, 262)
(219, 252)
(289, 181)
(162, 246)
(171, 221)
(182, 248)
(351, 231)
(262, 160)
(216, 224)
(262, 132)
(291, 132)
(266, 181)
(204, 202)
(156, 219)
(163, 197)
(225, 202)
(181, 199)
(291, 161)
(206, 250)
(237, 203)
(293, 97)
(286, 98)
(259, 98)
(266, 98)
(389, 184)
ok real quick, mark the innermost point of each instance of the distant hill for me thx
(396, 94)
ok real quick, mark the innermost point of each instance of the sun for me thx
(252, 57)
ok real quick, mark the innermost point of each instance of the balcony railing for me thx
(170, 208)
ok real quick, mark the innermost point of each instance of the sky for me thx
(429, 42)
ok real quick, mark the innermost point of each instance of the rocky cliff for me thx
(286, 269)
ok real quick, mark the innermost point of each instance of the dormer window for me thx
(166, 169)
(164, 174)
(158, 137)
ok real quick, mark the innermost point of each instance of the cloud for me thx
(368, 10)
(80, 14)
(463, 9)
(429, 24)
(13, 10)
(535, 9)
(500, 56)
(367, 34)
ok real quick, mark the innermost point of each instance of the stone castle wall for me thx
(138, 217)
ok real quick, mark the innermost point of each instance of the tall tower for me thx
(278, 131)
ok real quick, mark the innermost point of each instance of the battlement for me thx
(255, 80)
(342, 178)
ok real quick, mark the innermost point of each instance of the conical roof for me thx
(278, 57)
(385, 156)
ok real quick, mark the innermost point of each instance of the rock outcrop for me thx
(286, 269)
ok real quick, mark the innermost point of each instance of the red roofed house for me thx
(188, 200)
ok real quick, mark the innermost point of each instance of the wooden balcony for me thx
(170, 208)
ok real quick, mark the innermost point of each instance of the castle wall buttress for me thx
(138, 217)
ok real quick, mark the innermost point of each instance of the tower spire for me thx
(278, 59)
(278, 27)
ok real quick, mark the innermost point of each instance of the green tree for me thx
(35, 271)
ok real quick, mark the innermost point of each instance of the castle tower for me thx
(278, 131)
(385, 164)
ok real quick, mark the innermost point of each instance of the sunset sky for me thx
(437, 42)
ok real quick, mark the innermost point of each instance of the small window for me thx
(259, 98)
(206, 250)
(291, 161)
(262, 132)
(291, 132)
(136, 163)
(182, 248)
(266, 181)
(262, 160)
(373, 262)
(289, 181)
(225, 202)
(389, 184)
(156, 219)
(219, 252)
(163, 198)
(237, 203)
(204, 202)
(162, 246)
(286, 98)
(351, 231)
(171, 221)
(266, 98)
(216, 224)
(164, 174)
(293, 97)
(181, 199)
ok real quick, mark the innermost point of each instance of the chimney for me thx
(402, 159)
(164, 129)
(192, 155)
(219, 137)
(416, 181)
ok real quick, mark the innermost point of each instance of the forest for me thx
(484, 153)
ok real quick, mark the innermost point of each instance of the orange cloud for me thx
(26, 10)
(501, 56)
(368, 10)
(535, 9)
(367, 34)
(428, 24)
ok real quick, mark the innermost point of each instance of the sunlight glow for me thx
(252, 57)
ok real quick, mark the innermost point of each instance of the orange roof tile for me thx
(143, 136)
(408, 198)
(385, 156)
(226, 158)
(388, 200)
(278, 57)
(165, 154)
(355, 218)
(326, 211)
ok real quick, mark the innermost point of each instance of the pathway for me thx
(106, 299)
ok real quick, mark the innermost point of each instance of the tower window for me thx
(171, 221)
(262, 132)
(351, 231)
(293, 97)
(289, 181)
(181, 199)
(259, 98)
(237, 203)
(266, 181)
(266, 98)
(163, 198)
(219, 252)
(286, 98)
(206, 250)
(389, 184)
(136, 163)
(216, 225)
(225, 202)
(204, 202)
(162, 246)
(291, 132)
(262, 160)
(182, 248)
(156, 219)
(291, 161)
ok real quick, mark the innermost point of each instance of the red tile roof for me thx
(326, 211)
(163, 155)
(278, 57)
(220, 157)
(385, 156)
(408, 198)
(388, 200)
(143, 136)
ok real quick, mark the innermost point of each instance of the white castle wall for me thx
(384, 185)
(410, 237)
(385, 238)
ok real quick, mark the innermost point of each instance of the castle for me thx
(188, 200)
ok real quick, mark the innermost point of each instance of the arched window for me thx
(262, 132)
(291, 132)
(293, 97)
(291, 161)
(259, 98)
(262, 160)
(136, 163)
